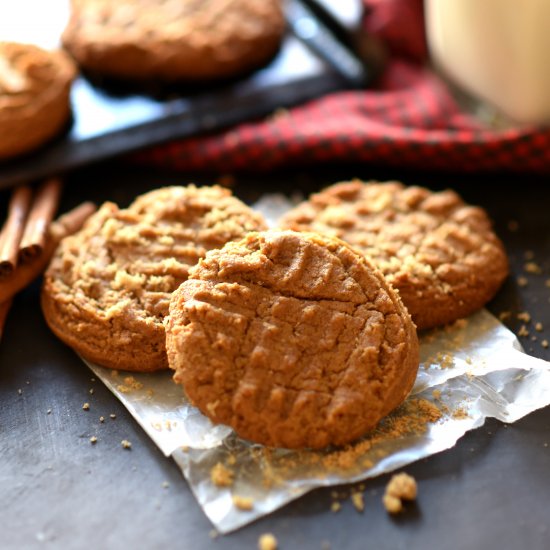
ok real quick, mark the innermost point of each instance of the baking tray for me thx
(109, 120)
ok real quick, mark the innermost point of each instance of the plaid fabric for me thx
(409, 119)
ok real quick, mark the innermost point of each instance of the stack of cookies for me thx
(299, 337)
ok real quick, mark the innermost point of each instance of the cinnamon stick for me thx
(4, 308)
(41, 214)
(25, 273)
(12, 230)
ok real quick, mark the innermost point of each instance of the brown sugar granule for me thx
(86, 407)
(523, 331)
(267, 541)
(243, 503)
(357, 501)
(221, 476)
(126, 444)
(522, 281)
(539, 327)
(532, 267)
(524, 316)
(400, 487)
(544, 343)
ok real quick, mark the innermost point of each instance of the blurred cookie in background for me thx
(173, 40)
(34, 96)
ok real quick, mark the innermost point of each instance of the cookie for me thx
(34, 96)
(108, 287)
(438, 252)
(171, 40)
(293, 339)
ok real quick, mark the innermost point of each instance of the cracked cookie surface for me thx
(34, 96)
(438, 252)
(107, 289)
(293, 339)
(171, 40)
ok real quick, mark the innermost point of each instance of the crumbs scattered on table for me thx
(504, 315)
(93, 440)
(243, 503)
(267, 541)
(400, 487)
(112, 416)
(522, 281)
(86, 407)
(524, 316)
(523, 331)
(335, 506)
(532, 267)
(357, 501)
(460, 413)
(539, 327)
(102, 419)
(221, 476)
(126, 444)
(544, 343)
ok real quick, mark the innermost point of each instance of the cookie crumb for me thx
(49, 411)
(20, 391)
(86, 407)
(544, 343)
(532, 267)
(358, 502)
(522, 281)
(221, 476)
(213, 534)
(523, 331)
(504, 315)
(112, 416)
(93, 440)
(165, 485)
(126, 444)
(267, 541)
(524, 316)
(400, 487)
(102, 419)
(539, 327)
(231, 460)
(335, 506)
(91, 391)
(243, 503)
(436, 394)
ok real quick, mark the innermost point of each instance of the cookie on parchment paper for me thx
(173, 40)
(108, 287)
(441, 254)
(293, 339)
(34, 96)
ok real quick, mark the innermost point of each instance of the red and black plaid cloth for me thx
(409, 119)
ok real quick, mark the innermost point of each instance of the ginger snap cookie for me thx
(293, 339)
(34, 96)
(108, 287)
(171, 40)
(438, 252)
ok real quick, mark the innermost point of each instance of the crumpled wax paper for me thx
(469, 371)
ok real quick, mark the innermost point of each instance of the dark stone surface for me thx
(59, 491)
